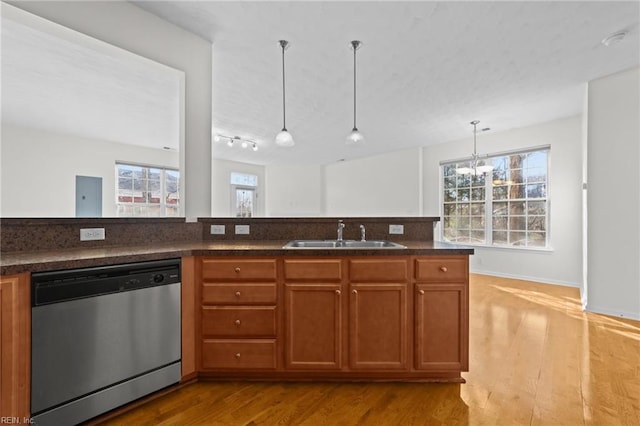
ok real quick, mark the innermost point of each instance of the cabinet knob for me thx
(443, 269)
(238, 355)
(237, 270)
(421, 292)
(338, 292)
(354, 291)
(238, 322)
(237, 294)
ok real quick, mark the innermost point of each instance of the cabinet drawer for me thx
(313, 270)
(239, 321)
(239, 269)
(239, 294)
(442, 269)
(241, 354)
(378, 270)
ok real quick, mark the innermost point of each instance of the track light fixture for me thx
(233, 140)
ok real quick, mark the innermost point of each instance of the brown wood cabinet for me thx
(313, 306)
(374, 319)
(335, 317)
(442, 305)
(378, 326)
(238, 314)
(313, 326)
(15, 346)
(378, 313)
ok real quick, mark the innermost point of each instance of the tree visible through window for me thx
(505, 207)
(147, 191)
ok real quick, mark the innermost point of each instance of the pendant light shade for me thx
(478, 167)
(355, 137)
(284, 138)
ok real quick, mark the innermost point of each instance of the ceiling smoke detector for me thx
(614, 38)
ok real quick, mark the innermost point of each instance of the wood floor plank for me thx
(535, 359)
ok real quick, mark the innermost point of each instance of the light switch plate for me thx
(217, 229)
(242, 229)
(91, 234)
(396, 229)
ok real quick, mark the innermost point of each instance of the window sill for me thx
(505, 248)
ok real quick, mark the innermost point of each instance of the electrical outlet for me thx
(217, 230)
(396, 229)
(242, 229)
(91, 234)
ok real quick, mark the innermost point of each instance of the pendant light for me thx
(284, 138)
(477, 167)
(355, 137)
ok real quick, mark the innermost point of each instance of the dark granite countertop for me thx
(51, 260)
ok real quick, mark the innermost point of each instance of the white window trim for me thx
(164, 169)
(488, 201)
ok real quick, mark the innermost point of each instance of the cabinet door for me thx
(313, 318)
(378, 326)
(442, 329)
(15, 346)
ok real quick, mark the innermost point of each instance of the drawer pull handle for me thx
(237, 294)
(237, 270)
(444, 269)
(238, 322)
(421, 292)
(238, 355)
(338, 292)
(354, 291)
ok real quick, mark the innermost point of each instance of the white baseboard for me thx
(527, 278)
(598, 310)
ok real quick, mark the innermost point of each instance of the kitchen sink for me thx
(344, 244)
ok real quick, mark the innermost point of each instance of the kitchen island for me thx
(254, 310)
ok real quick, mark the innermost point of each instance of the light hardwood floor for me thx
(535, 358)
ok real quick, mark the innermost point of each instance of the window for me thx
(147, 191)
(243, 194)
(507, 207)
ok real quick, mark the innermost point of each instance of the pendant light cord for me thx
(284, 110)
(474, 138)
(354, 88)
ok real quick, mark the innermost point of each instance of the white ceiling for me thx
(426, 69)
(59, 80)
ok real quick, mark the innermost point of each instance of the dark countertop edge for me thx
(81, 258)
(45, 221)
(367, 219)
(17, 221)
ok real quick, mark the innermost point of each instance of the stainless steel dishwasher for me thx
(102, 337)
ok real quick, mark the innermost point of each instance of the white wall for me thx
(221, 186)
(613, 277)
(39, 168)
(129, 27)
(383, 185)
(562, 264)
(294, 191)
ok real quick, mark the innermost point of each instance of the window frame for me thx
(488, 202)
(163, 184)
(240, 181)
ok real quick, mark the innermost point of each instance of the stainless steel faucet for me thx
(340, 228)
(362, 233)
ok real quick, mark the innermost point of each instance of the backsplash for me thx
(377, 228)
(18, 235)
(34, 234)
